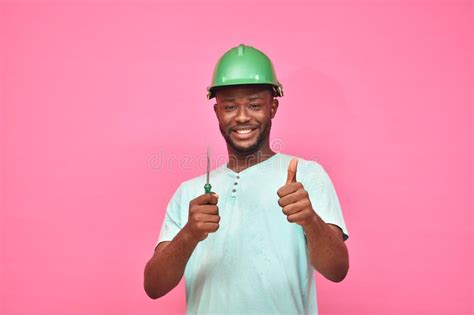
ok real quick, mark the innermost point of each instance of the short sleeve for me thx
(323, 196)
(172, 222)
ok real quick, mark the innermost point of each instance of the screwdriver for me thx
(207, 186)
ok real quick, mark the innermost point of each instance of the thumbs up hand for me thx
(294, 199)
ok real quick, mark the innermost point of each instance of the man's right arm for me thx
(166, 268)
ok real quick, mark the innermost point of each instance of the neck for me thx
(240, 161)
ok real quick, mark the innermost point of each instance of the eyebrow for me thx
(251, 98)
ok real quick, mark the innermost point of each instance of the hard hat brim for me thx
(211, 91)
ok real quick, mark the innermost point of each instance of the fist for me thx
(203, 216)
(294, 199)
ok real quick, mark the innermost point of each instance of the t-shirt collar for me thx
(251, 168)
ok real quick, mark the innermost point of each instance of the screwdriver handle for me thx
(207, 188)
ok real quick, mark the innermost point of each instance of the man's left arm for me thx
(327, 250)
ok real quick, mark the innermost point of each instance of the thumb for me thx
(292, 171)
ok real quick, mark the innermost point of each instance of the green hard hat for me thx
(244, 65)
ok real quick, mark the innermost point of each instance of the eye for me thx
(255, 106)
(229, 107)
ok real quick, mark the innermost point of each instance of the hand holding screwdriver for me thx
(203, 216)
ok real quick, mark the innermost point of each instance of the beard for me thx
(252, 148)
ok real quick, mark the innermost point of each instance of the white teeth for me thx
(243, 131)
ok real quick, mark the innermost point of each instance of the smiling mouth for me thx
(243, 133)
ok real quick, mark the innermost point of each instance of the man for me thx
(252, 245)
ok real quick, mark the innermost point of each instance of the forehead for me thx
(243, 92)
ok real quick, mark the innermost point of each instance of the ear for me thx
(273, 107)
(215, 109)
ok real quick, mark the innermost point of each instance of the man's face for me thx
(245, 115)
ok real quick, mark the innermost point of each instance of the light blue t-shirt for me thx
(256, 262)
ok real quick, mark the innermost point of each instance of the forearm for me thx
(327, 251)
(166, 268)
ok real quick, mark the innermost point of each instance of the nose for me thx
(242, 115)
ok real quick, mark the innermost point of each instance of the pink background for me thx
(103, 114)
